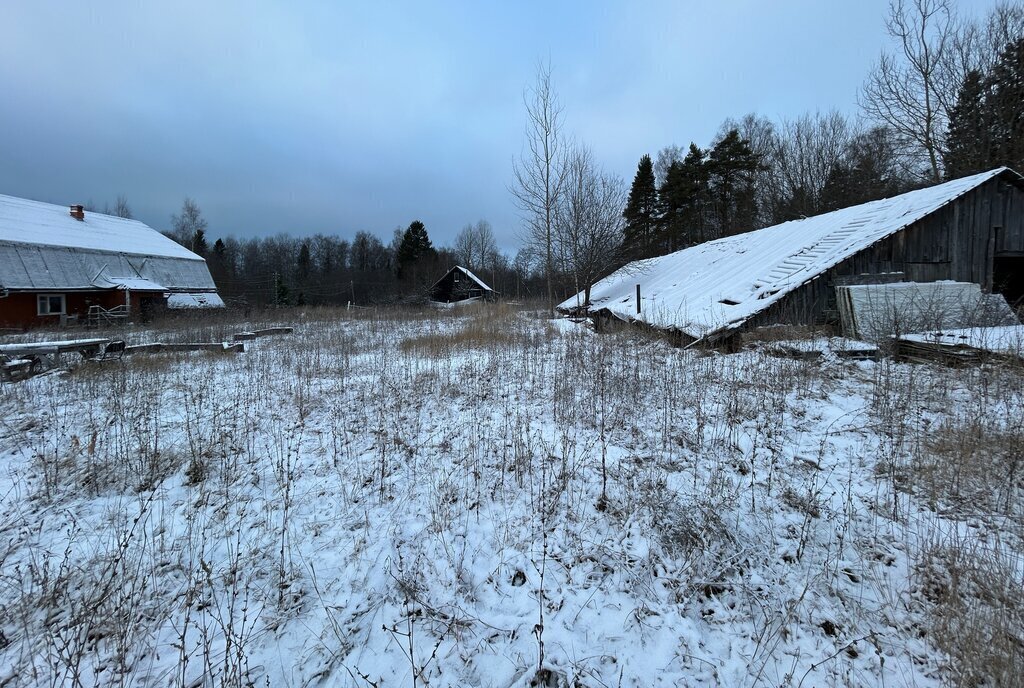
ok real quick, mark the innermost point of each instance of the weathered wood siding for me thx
(957, 242)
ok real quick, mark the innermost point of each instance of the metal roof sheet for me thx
(43, 247)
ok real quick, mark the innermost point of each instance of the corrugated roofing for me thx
(43, 247)
(191, 301)
(709, 289)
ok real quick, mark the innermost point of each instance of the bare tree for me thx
(189, 228)
(975, 45)
(589, 221)
(666, 156)
(476, 247)
(121, 207)
(807, 151)
(907, 93)
(538, 173)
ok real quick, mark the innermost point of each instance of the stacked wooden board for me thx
(959, 346)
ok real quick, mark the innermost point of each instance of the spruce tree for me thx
(199, 245)
(969, 145)
(986, 126)
(282, 295)
(414, 247)
(1005, 107)
(731, 166)
(683, 201)
(641, 212)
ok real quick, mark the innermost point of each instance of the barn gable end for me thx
(963, 241)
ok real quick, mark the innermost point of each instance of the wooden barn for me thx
(460, 286)
(61, 265)
(968, 230)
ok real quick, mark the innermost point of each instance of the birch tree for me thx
(589, 221)
(476, 247)
(538, 173)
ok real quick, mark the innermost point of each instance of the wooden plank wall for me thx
(957, 242)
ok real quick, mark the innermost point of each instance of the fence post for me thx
(638, 298)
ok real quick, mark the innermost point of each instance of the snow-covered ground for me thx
(455, 500)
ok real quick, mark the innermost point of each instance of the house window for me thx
(50, 304)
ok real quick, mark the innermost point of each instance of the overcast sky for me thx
(333, 117)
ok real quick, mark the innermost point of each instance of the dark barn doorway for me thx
(1008, 278)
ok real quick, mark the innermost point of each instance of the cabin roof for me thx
(468, 273)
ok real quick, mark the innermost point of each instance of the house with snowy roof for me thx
(459, 286)
(967, 230)
(61, 264)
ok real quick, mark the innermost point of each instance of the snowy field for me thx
(460, 499)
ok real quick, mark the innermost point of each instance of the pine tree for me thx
(731, 167)
(683, 201)
(641, 211)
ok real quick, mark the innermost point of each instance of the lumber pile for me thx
(158, 347)
(962, 346)
(808, 349)
(265, 332)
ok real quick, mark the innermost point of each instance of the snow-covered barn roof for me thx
(706, 290)
(43, 247)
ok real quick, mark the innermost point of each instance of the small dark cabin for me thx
(459, 285)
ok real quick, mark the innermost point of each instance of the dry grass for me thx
(976, 613)
(613, 460)
(487, 327)
(972, 466)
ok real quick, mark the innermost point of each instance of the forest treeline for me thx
(287, 270)
(948, 101)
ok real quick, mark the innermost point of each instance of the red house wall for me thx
(18, 309)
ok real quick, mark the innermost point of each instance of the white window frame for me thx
(45, 298)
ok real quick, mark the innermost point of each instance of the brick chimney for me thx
(78, 212)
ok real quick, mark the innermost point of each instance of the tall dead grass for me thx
(486, 327)
(976, 613)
